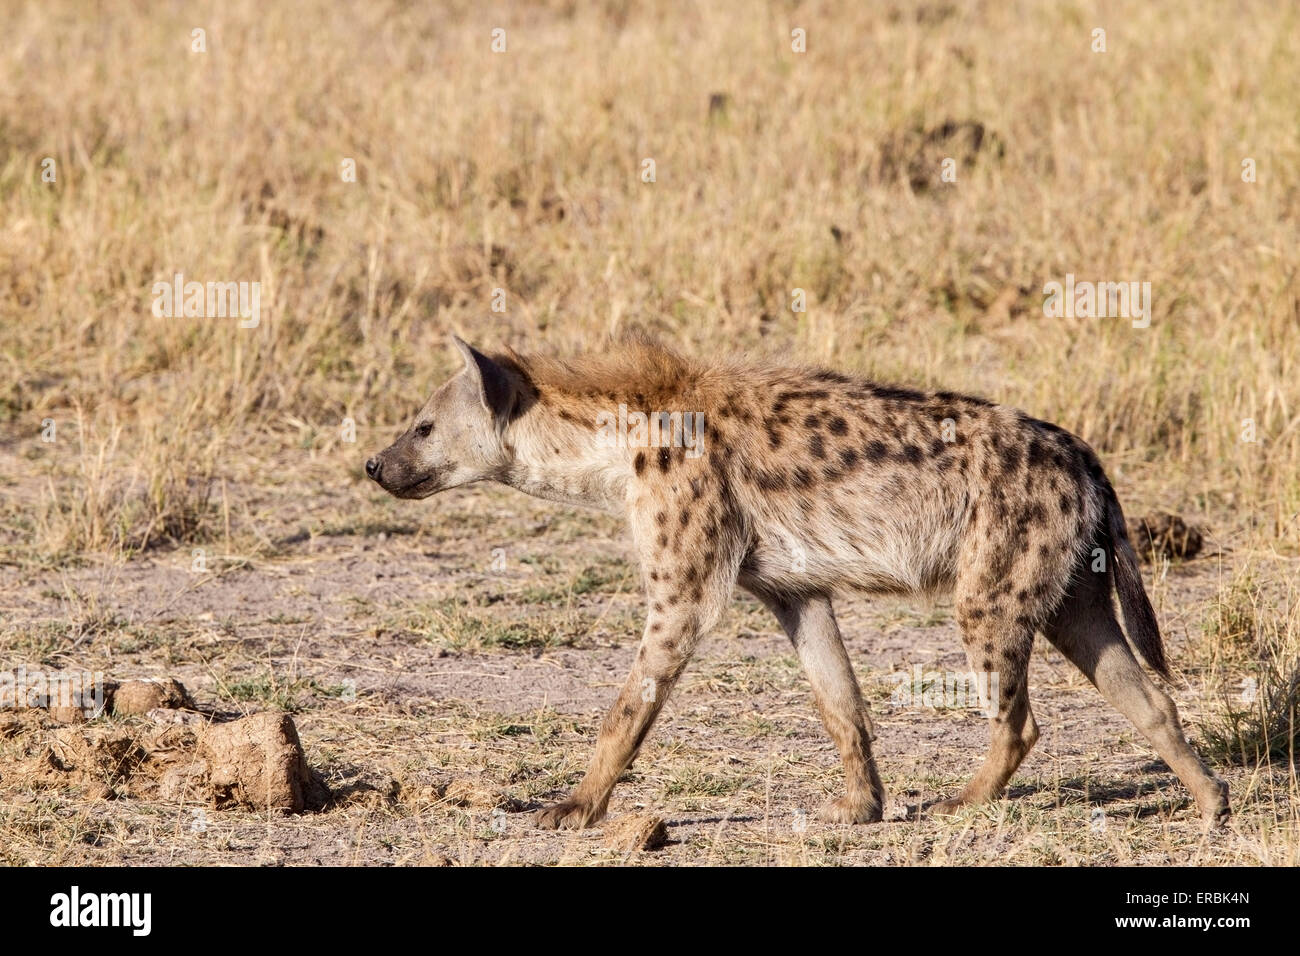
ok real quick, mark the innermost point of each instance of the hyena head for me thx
(456, 438)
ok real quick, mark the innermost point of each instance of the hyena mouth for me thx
(422, 488)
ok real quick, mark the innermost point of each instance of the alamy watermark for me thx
(213, 300)
(1098, 300)
(133, 911)
(968, 690)
(624, 429)
(23, 689)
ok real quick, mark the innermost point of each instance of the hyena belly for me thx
(872, 532)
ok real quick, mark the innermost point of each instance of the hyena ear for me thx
(496, 387)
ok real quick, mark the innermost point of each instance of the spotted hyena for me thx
(805, 483)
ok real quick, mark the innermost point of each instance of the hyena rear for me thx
(808, 483)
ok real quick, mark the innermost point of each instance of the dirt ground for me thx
(447, 664)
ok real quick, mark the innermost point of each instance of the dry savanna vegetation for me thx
(183, 497)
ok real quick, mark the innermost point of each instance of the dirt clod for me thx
(1165, 535)
(91, 759)
(636, 831)
(67, 715)
(258, 762)
(142, 696)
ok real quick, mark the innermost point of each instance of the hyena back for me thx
(810, 483)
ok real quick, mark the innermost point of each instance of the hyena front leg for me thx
(810, 624)
(688, 588)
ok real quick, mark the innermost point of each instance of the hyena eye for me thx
(423, 430)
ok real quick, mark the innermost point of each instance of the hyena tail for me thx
(1139, 617)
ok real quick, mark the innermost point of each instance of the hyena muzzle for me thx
(808, 483)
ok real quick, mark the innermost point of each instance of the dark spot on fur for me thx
(639, 462)
(893, 394)
(836, 377)
(911, 453)
(876, 451)
(812, 421)
(848, 457)
(838, 426)
(802, 478)
(816, 448)
(665, 459)
(1010, 458)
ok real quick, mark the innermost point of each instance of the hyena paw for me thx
(569, 815)
(850, 810)
(947, 808)
(1216, 813)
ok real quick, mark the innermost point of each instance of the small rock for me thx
(258, 762)
(636, 831)
(67, 714)
(1165, 535)
(142, 696)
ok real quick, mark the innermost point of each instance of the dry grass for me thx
(521, 171)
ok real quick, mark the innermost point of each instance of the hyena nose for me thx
(373, 466)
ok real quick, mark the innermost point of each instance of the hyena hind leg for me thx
(1086, 632)
(998, 652)
(810, 624)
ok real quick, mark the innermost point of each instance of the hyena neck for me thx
(557, 457)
